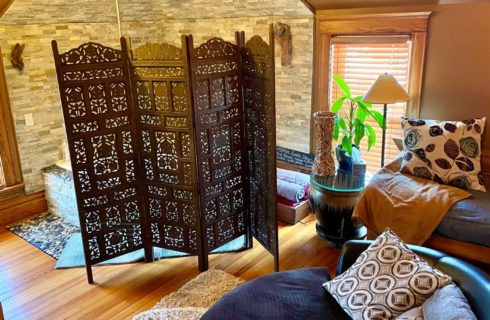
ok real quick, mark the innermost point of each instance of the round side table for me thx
(332, 200)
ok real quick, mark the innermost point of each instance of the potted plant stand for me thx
(332, 200)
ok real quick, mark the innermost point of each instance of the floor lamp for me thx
(385, 90)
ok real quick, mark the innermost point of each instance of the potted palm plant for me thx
(350, 124)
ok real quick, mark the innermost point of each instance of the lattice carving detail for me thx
(90, 53)
(216, 48)
(157, 51)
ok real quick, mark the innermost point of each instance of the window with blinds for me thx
(359, 60)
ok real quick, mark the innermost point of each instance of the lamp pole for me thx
(384, 136)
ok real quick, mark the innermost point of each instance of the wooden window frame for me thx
(9, 154)
(414, 24)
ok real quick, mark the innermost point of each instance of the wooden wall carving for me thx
(165, 149)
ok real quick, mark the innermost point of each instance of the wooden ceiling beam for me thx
(357, 4)
(4, 5)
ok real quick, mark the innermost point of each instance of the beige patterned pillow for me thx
(447, 152)
(386, 280)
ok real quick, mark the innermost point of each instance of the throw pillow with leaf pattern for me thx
(447, 152)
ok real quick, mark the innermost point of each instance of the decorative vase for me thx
(323, 123)
(343, 158)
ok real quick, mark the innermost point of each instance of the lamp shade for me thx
(386, 90)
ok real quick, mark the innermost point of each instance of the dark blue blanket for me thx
(295, 294)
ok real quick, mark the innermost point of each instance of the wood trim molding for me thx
(292, 167)
(8, 193)
(327, 25)
(419, 40)
(9, 153)
(22, 207)
(413, 21)
(465, 250)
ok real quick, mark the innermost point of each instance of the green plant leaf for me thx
(362, 114)
(347, 145)
(371, 135)
(359, 132)
(343, 85)
(337, 105)
(378, 117)
(365, 104)
(342, 123)
(336, 129)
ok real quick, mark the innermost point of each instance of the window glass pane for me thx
(360, 64)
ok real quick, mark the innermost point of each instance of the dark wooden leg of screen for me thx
(148, 251)
(90, 278)
(276, 261)
(203, 262)
(249, 239)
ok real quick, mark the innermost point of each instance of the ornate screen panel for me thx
(96, 100)
(259, 100)
(166, 142)
(220, 146)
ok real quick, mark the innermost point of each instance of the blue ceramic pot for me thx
(344, 159)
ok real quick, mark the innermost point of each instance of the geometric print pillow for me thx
(447, 152)
(386, 280)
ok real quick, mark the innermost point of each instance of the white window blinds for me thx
(359, 60)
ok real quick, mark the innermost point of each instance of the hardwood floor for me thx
(30, 287)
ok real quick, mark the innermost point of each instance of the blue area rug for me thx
(47, 232)
(72, 255)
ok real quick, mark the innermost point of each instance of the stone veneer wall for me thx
(37, 22)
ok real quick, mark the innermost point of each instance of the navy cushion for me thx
(295, 294)
(468, 220)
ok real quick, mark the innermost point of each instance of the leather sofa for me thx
(298, 294)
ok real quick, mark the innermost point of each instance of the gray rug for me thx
(47, 232)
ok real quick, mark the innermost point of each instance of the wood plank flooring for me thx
(30, 287)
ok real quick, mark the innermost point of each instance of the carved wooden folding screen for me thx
(165, 149)
(95, 94)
